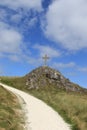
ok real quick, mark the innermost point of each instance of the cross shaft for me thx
(45, 58)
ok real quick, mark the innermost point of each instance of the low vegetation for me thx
(10, 111)
(72, 106)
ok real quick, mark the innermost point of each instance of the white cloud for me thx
(32, 22)
(66, 23)
(12, 45)
(11, 42)
(84, 69)
(51, 52)
(3, 25)
(63, 65)
(14, 58)
(16, 18)
(70, 65)
(25, 4)
(3, 14)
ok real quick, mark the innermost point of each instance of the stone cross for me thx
(45, 58)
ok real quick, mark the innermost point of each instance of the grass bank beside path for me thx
(11, 117)
(70, 105)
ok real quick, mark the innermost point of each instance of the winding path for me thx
(39, 115)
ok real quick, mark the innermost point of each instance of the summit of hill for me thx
(45, 76)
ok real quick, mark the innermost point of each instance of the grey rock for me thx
(47, 77)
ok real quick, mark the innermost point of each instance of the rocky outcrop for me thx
(47, 77)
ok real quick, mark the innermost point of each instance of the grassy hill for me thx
(10, 111)
(72, 106)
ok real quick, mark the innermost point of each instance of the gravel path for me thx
(39, 115)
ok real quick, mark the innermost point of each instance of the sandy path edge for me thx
(39, 115)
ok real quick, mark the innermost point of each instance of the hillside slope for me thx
(67, 98)
(10, 111)
(39, 116)
(48, 77)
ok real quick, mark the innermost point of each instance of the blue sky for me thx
(31, 29)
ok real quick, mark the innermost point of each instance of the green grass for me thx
(10, 118)
(70, 105)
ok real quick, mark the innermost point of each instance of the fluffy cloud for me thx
(3, 14)
(82, 69)
(66, 23)
(32, 22)
(51, 52)
(25, 4)
(63, 65)
(72, 67)
(16, 18)
(10, 40)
